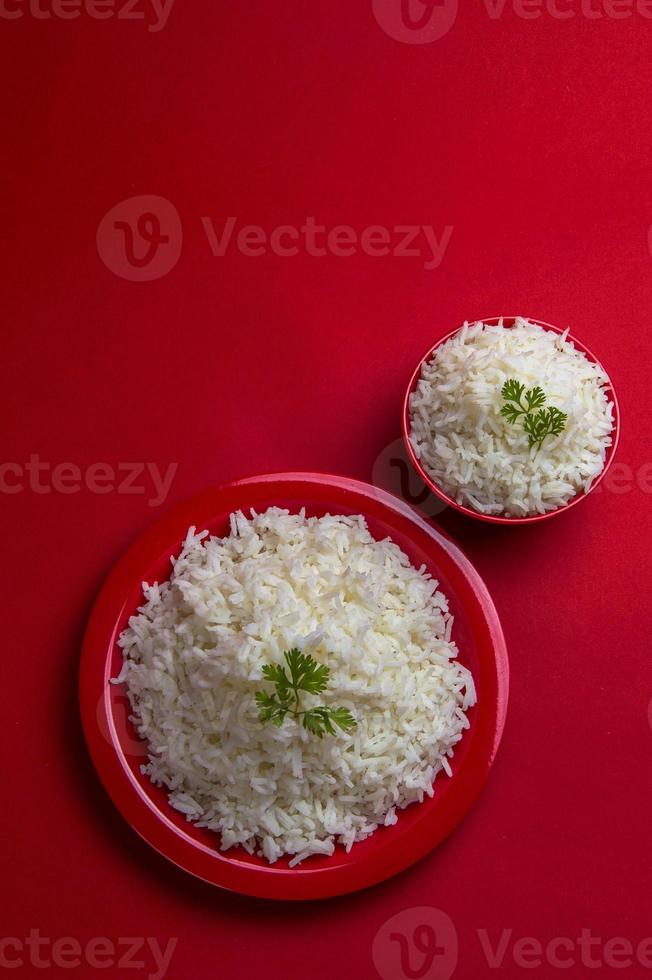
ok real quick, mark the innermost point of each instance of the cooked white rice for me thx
(192, 664)
(474, 454)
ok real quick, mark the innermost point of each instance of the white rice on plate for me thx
(192, 664)
(476, 456)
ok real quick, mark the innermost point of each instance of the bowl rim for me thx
(507, 321)
(225, 869)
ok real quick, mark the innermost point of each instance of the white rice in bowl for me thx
(474, 454)
(192, 664)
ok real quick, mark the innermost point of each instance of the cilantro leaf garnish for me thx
(538, 422)
(548, 421)
(305, 674)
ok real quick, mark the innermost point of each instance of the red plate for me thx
(117, 751)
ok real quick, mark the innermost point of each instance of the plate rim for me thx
(215, 867)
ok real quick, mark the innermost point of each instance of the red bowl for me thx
(508, 321)
(118, 753)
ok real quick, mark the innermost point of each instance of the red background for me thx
(533, 139)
